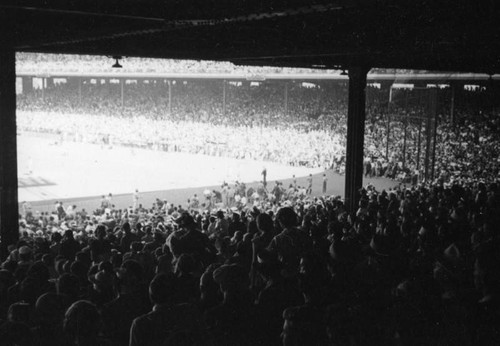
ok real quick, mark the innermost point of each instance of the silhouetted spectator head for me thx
(131, 273)
(231, 278)
(268, 264)
(29, 289)
(79, 269)
(186, 221)
(265, 223)
(69, 285)
(56, 237)
(236, 217)
(81, 323)
(162, 288)
(185, 264)
(19, 312)
(126, 228)
(68, 234)
(25, 253)
(209, 289)
(39, 271)
(48, 260)
(100, 232)
(287, 217)
(49, 309)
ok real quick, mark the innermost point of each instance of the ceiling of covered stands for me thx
(448, 35)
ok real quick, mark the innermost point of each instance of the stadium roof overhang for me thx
(446, 35)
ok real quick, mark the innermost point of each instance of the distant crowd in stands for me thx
(253, 124)
(410, 266)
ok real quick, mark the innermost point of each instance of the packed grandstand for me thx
(416, 265)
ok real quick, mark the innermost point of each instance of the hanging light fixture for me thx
(117, 62)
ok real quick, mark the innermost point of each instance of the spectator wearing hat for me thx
(50, 309)
(195, 242)
(291, 243)
(100, 247)
(221, 225)
(210, 295)
(68, 286)
(55, 247)
(82, 324)
(25, 257)
(127, 238)
(212, 222)
(234, 320)
(131, 302)
(148, 236)
(261, 240)
(275, 296)
(449, 270)
(36, 283)
(69, 246)
(235, 225)
(157, 242)
(168, 323)
(103, 284)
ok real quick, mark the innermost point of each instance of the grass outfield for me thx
(80, 173)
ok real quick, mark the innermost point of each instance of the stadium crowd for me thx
(415, 265)
(412, 266)
(253, 126)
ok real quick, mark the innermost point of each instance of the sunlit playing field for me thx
(80, 173)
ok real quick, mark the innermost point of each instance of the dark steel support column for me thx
(9, 209)
(355, 136)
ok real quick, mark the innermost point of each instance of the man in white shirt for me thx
(135, 199)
